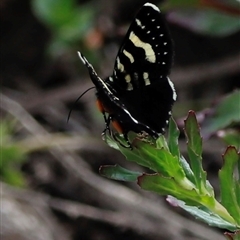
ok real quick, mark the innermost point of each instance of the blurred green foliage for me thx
(223, 117)
(230, 137)
(208, 17)
(68, 22)
(11, 156)
(208, 22)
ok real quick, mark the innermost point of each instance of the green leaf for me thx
(159, 160)
(148, 155)
(229, 184)
(202, 214)
(161, 143)
(134, 155)
(111, 142)
(187, 170)
(194, 143)
(173, 135)
(225, 113)
(192, 132)
(117, 172)
(170, 186)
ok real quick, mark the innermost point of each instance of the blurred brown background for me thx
(52, 189)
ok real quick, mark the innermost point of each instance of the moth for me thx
(139, 95)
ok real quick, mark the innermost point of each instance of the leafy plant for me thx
(185, 183)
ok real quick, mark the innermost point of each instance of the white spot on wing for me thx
(146, 78)
(119, 65)
(128, 80)
(129, 55)
(138, 22)
(129, 87)
(150, 55)
(152, 5)
(174, 92)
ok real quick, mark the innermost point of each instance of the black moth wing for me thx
(109, 98)
(146, 52)
(140, 73)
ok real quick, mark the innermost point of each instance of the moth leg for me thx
(127, 140)
(107, 120)
(129, 145)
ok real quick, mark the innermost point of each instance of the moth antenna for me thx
(69, 114)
